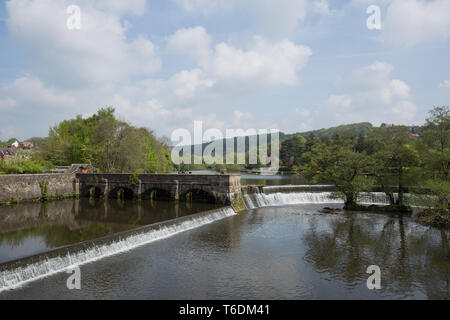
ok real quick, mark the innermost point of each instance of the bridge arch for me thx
(121, 192)
(91, 191)
(198, 195)
(158, 194)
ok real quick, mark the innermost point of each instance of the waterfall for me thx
(15, 274)
(297, 188)
(257, 200)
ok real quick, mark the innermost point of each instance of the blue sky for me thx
(292, 65)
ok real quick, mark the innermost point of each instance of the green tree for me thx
(340, 165)
(436, 157)
(395, 158)
(109, 144)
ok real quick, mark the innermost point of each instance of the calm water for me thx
(284, 252)
(32, 228)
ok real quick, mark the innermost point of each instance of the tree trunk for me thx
(401, 190)
(349, 199)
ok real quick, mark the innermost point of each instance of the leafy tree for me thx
(340, 165)
(436, 135)
(109, 144)
(395, 156)
(436, 157)
(292, 150)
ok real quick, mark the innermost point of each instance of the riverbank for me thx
(379, 208)
(434, 219)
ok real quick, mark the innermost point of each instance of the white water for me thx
(291, 187)
(258, 200)
(10, 279)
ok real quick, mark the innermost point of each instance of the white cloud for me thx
(338, 102)
(204, 6)
(194, 42)
(241, 119)
(411, 22)
(7, 104)
(366, 3)
(261, 61)
(137, 7)
(306, 120)
(61, 54)
(261, 15)
(187, 83)
(321, 6)
(445, 84)
(375, 97)
(27, 90)
(276, 63)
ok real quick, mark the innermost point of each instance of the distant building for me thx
(14, 145)
(74, 168)
(81, 168)
(26, 145)
(6, 153)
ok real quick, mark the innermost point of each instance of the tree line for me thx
(109, 144)
(391, 158)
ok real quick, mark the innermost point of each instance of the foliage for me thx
(355, 129)
(436, 195)
(24, 162)
(339, 164)
(394, 156)
(109, 144)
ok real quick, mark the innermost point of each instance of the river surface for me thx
(32, 228)
(283, 248)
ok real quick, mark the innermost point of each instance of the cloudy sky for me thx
(292, 65)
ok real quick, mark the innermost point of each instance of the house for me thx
(6, 153)
(26, 145)
(81, 168)
(14, 145)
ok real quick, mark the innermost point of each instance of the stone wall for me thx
(20, 187)
(224, 189)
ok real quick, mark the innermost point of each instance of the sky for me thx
(292, 65)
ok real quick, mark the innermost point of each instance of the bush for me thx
(435, 197)
(15, 166)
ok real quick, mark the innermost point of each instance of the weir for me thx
(271, 196)
(14, 274)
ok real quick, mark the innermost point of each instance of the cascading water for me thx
(297, 188)
(257, 200)
(17, 274)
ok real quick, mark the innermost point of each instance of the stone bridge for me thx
(223, 189)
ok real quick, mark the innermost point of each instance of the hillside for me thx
(355, 128)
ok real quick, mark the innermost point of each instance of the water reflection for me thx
(288, 252)
(32, 228)
(414, 260)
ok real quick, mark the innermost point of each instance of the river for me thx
(281, 248)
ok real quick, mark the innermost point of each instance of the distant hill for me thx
(355, 128)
